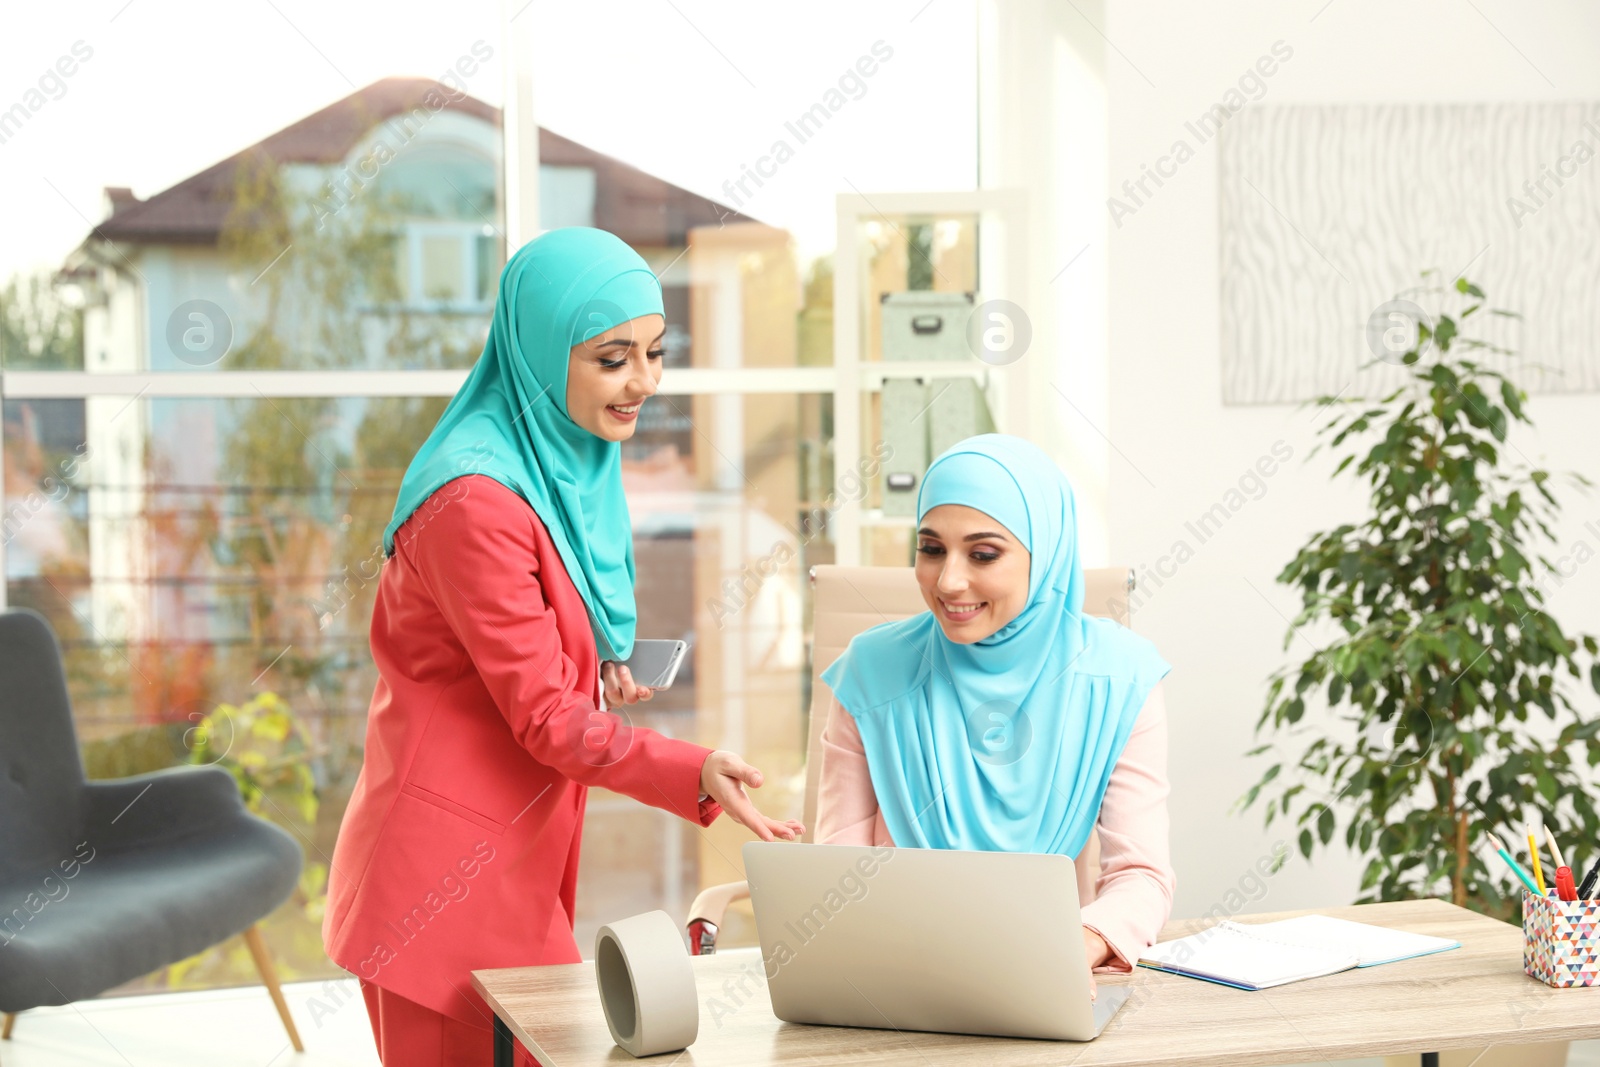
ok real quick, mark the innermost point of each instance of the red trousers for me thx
(410, 1035)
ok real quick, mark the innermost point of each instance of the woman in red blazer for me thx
(509, 569)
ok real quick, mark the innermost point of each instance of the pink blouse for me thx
(1129, 901)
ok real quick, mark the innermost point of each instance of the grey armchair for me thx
(101, 882)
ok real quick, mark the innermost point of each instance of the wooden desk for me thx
(1475, 995)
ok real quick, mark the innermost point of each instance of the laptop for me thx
(925, 939)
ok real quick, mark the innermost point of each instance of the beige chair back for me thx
(847, 600)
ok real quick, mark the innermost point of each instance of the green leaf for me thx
(1444, 332)
(1512, 397)
(1548, 787)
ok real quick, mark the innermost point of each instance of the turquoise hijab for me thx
(1006, 744)
(510, 422)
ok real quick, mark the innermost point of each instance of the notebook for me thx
(1262, 955)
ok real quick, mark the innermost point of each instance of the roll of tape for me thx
(647, 984)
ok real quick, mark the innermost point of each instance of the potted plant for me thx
(1451, 684)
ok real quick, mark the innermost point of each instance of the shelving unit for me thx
(998, 219)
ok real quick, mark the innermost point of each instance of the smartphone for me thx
(655, 663)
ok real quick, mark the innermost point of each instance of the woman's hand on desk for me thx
(723, 777)
(1097, 951)
(620, 687)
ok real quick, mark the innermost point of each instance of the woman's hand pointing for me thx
(723, 777)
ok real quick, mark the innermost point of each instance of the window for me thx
(200, 537)
(566, 196)
(449, 267)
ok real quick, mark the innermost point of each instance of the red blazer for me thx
(459, 849)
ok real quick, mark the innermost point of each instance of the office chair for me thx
(104, 881)
(848, 600)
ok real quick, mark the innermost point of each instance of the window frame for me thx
(843, 382)
(519, 223)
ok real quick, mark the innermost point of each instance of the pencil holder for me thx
(1561, 940)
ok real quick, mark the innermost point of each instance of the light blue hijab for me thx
(1004, 745)
(509, 420)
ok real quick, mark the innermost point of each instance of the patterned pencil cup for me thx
(1561, 940)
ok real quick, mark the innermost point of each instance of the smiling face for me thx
(611, 375)
(973, 572)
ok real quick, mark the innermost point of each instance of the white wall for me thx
(1217, 618)
(1042, 114)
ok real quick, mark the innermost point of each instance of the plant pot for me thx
(1548, 1054)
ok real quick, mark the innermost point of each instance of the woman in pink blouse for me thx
(1003, 718)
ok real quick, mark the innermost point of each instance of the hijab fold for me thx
(509, 420)
(1006, 744)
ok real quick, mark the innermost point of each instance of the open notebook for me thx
(1261, 955)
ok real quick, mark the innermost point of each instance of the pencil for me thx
(1555, 850)
(1516, 868)
(1533, 851)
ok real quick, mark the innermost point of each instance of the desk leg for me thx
(505, 1046)
(1429, 1059)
